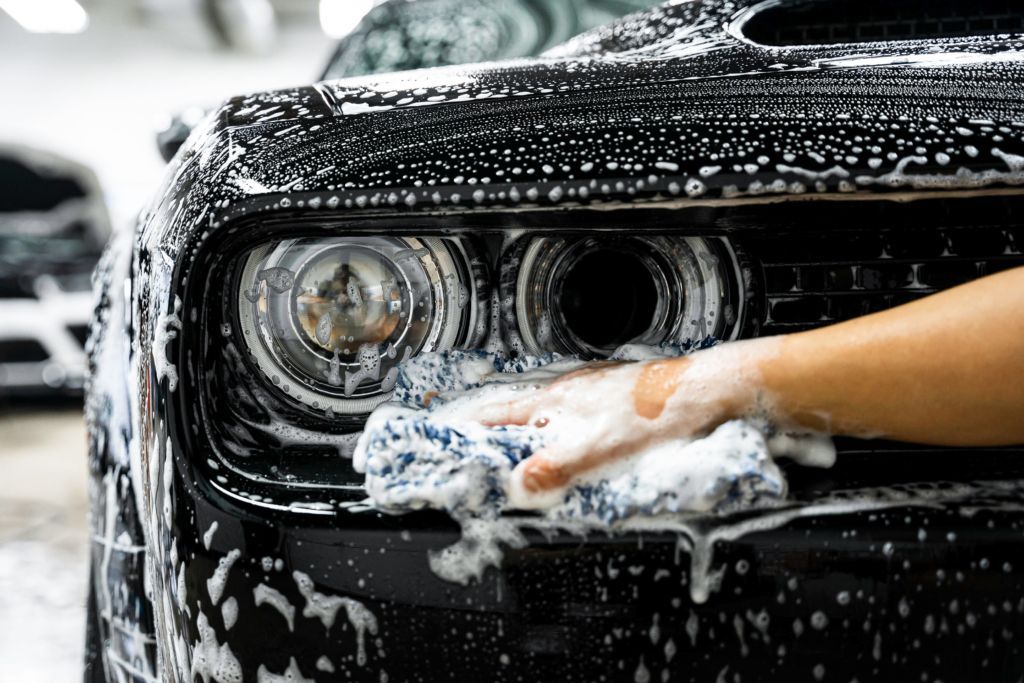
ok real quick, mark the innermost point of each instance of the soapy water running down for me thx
(424, 451)
(417, 455)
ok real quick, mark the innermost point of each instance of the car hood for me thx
(673, 103)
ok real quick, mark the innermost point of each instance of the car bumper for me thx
(879, 585)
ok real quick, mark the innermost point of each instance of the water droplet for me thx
(324, 327)
(819, 621)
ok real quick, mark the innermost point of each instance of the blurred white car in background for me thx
(53, 225)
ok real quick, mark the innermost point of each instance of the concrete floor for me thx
(43, 544)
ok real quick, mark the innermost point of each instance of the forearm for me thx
(948, 370)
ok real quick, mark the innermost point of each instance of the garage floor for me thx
(43, 544)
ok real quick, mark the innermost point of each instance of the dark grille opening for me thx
(80, 332)
(22, 351)
(15, 288)
(814, 22)
(816, 278)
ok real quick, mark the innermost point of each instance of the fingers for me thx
(520, 411)
(517, 413)
(593, 368)
(540, 473)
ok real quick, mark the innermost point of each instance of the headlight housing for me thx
(328, 320)
(588, 295)
(297, 337)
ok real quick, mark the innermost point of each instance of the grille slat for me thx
(1013, 257)
(22, 351)
(855, 21)
(862, 292)
(817, 278)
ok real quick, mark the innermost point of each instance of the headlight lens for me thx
(328, 320)
(590, 295)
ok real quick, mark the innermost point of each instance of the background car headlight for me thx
(328, 320)
(589, 295)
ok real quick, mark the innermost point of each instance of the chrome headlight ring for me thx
(328, 320)
(587, 295)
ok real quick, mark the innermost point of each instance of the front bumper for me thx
(872, 588)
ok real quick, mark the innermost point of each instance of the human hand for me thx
(608, 411)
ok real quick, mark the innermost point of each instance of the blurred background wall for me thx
(96, 94)
(92, 81)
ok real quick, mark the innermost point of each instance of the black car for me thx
(712, 168)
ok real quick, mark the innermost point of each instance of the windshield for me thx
(396, 36)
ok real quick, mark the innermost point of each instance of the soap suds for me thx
(167, 327)
(212, 660)
(215, 584)
(208, 535)
(325, 608)
(291, 675)
(426, 451)
(264, 594)
(229, 612)
(478, 549)
(437, 458)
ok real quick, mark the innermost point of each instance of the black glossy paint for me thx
(628, 118)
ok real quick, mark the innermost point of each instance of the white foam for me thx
(229, 612)
(264, 594)
(215, 584)
(291, 675)
(325, 608)
(478, 549)
(208, 535)
(167, 327)
(213, 660)
(443, 458)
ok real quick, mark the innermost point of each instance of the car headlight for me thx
(589, 295)
(297, 338)
(328, 320)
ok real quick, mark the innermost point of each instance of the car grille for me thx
(14, 288)
(814, 279)
(79, 332)
(830, 263)
(22, 351)
(858, 21)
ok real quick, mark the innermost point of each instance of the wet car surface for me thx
(231, 543)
